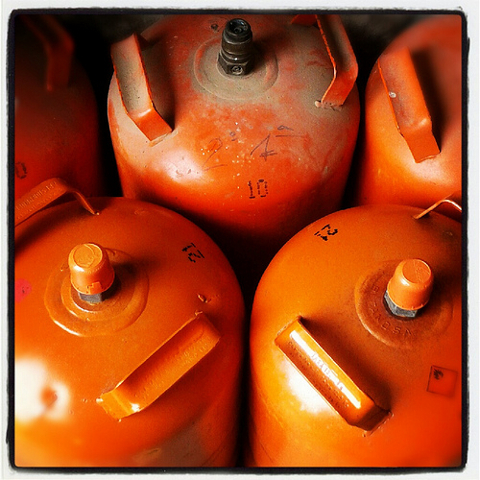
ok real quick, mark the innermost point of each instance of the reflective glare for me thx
(37, 394)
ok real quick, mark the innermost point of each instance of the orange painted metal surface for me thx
(338, 378)
(254, 158)
(56, 118)
(142, 371)
(412, 142)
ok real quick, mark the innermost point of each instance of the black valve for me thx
(236, 55)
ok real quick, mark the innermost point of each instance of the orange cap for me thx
(411, 284)
(90, 269)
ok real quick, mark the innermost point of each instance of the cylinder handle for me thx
(321, 371)
(453, 199)
(340, 53)
(134, 88)
(58, 47)
(44, 194)
(407, 102)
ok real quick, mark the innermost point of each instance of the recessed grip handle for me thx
(405, 95)
(166, 366)
(340, 53)
(321, 371)
(134, 88)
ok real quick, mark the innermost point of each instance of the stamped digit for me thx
(251, 189)
(326, 232)
(261, 189)
(193, 253)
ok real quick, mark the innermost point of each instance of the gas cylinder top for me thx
(258, 155)
(124, 314)
(365, 379)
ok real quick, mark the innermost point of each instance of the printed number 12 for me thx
(325, 232)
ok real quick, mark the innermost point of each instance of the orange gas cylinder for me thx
(128, 337)
(56, 118)
(412, 144)
(246, 126)
(356, 344)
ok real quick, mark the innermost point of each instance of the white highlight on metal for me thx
(327, 371)
(37, 394)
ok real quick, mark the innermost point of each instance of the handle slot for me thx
(321, 371)
(162, 369)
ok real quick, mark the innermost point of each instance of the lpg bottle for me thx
(356, 344)
(244, 125)
(128, 336)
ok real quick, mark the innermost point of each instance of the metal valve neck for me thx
(236, 54)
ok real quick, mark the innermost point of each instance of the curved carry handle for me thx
(338, 389)
(402, 86)
(166, 366)
(44, 194)
(58, 46)
(340, 52)
(454, 200)
(134, 88)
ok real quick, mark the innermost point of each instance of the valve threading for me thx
(236, 54)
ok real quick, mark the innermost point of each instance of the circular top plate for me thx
(217, 82)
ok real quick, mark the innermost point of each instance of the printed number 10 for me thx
(261, 189)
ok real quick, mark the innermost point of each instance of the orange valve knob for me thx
(410, 287)
(90, 271)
